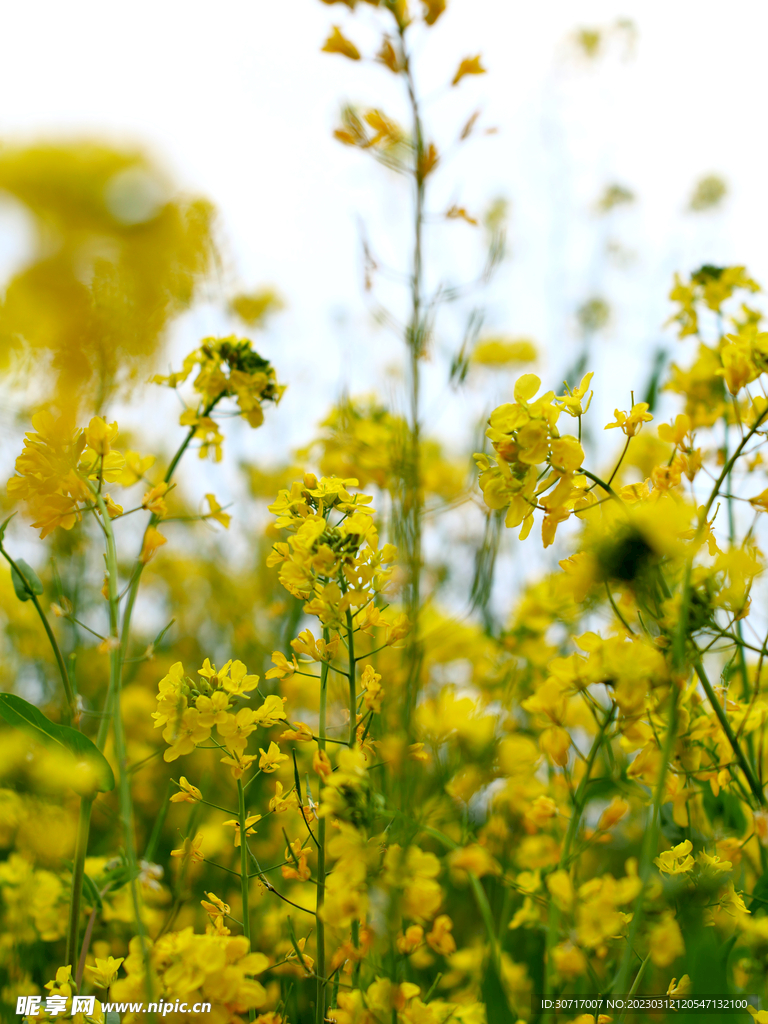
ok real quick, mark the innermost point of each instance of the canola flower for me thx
(386, 814)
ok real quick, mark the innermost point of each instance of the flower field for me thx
(320, 754)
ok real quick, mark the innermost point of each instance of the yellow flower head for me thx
(631, 422)
(215, 907)
(573, 401)
(271, 759)
(153, 539)
(99, 435)
(250, 821)
(190, 849)
(103, 974)
(677, 861)
(187, 794)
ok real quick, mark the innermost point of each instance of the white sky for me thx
(237, 101)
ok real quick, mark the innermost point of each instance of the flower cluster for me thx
(525, 437)
(227, 367)
(188, 710)
(196, 969)
(331, 559)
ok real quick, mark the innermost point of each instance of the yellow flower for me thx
(440, 938)
(190, 849)
(665, 941)
(113, 509)
(154, 500)
(337, 43)
(572, 401)
(213, 709)
(413, 937)
(613, 814)
(186, 735)
(279, 803)
(99, 435)
(432, 10)
(679, 988)
(474, 858)
(713, 864)
(500, 352)
(271, 711)
(555, 742)
(283, 669)
(238, 765)
(250, 821)
(541, 811)
(373, 691)
(300, 733)
(631, 422)
(569, 960)
(236, 729)
(526, 916)
(297, 867)
(135, 467)
(469, 66)
(676, 861)
(188, 794)
(560, 885)
(215, 907)
(237, 682)
(102, 975)
(216, 512)
(271, 759)
(153, 539)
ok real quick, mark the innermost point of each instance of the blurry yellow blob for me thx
(115, 258)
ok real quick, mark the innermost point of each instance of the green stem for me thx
(244, 870)
(321, 980)
(154, 839)
(412, 498)
(352, 739)
(580, 797)
(352, 686)
(133, 588)
(650, 844)
(725, 725)
(78, 871)
(635, 985)
(124, 784)
(74, 714)
(579, 803)
(601, 483)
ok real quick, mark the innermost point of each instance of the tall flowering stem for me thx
(321, 994)
(116, 656)
(69, 692)
(78, 871)
(409, 531)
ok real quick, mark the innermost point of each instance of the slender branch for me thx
(650, 842)
(74, 713)
(321, 993)
(78, 871)
(725, 725)
(351, 673)
(124, 783)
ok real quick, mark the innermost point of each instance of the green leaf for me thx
(497, 1009)
(4, 525)
(20, 714)
(92, 891)
(30, 582)
(759, 894)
